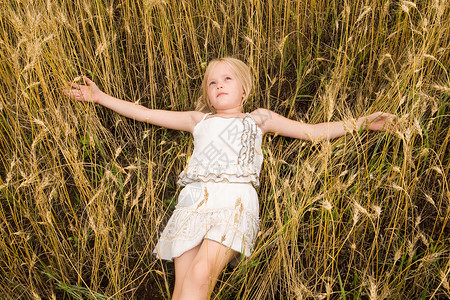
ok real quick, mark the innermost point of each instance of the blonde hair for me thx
(242, 72)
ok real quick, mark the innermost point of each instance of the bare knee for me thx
(204, 270)
(200, 273)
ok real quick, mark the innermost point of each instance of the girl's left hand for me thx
(87, 93)
(381, 121)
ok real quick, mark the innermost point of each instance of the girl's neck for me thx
(229, 116)
(233, 112)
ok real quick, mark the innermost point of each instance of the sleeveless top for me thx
(225, 149)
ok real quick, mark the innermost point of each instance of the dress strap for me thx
(254, 121)
(204, 117)
(251, 117)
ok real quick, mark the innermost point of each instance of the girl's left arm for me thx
(270, 121)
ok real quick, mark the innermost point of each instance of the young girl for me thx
(216, 216)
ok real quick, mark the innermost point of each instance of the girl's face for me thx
(225, 91)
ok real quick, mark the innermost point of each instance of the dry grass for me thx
(84, 192)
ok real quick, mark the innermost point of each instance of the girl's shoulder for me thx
(197, 116)
(261, 117)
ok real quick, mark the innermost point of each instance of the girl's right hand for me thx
(381, 121)
(88, 93)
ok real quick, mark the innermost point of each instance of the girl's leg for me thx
(204, 270)
(182, 264)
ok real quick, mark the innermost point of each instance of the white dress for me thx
(219, 201)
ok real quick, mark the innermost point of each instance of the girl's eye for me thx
(228, 78)
(212, 82)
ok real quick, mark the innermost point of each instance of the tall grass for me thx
(85, 192)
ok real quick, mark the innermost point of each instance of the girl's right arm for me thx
(179, 120)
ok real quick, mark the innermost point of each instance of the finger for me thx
(391, 123)
(75, 94)
(68, 92)
(395, 123)
(71, 93)
(88, 81)
(74, 85)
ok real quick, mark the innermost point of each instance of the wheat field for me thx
(84, 192)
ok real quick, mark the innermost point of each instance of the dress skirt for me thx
(220, 211)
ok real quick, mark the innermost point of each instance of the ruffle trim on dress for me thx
(192, 225)
(235, 173)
